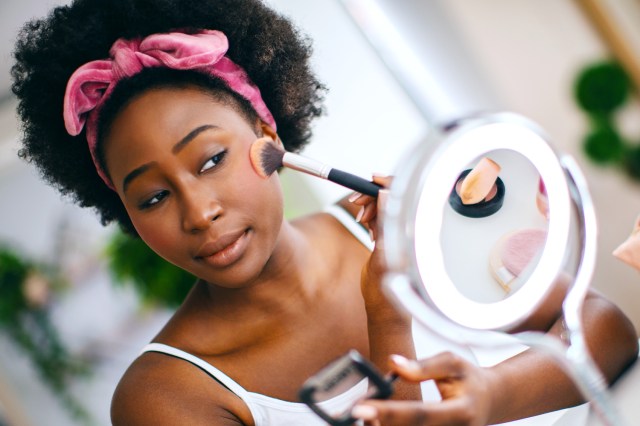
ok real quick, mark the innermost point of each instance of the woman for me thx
(145, 111)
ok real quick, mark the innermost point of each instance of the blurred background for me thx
(74, 307)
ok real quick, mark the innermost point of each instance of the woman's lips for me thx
(224, 251)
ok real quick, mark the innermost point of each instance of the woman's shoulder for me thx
(336, 227)
(158, 389)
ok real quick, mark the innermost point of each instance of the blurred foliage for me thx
(632, 162)
(604, 145)
(156, 281)
(601, 90)
(25, 293)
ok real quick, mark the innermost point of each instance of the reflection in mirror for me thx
(489, 258)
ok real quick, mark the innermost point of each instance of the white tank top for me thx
(268, 411)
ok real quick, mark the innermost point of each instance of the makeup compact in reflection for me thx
(339, 377)
(476, 203)
(459, 272)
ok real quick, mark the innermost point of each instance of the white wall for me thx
(370, 121)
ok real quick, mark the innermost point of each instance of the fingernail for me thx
(354, 196)
(360, 214)
(379, 174)
(383, 194)
(400, 361)
(364, 412)
(371, 235)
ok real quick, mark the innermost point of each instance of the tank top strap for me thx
(348, 221)
(218, 375)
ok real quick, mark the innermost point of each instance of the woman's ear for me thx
(270, 132)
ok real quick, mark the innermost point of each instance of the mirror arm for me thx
(580, 363)
(572, 306)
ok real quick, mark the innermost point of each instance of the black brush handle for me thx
(354, 182)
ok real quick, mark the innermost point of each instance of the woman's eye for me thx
(213, 161)
(155, 199)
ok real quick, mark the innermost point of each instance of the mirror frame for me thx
(440, 158)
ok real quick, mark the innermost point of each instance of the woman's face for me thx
(180, 163)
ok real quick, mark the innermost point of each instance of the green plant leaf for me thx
(602, 88)
(155, 280)
(31, 329)
(604, 145)
(632, 162)
(13, 272)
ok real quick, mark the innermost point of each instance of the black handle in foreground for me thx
(354, 182)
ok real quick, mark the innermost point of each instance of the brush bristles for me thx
(266, 157)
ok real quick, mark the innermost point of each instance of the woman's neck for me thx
(286, 285)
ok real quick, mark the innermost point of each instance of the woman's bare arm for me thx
(532, 383)
(159, 390)
(528, 384)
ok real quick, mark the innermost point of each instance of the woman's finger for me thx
(382, 179)
(362, 199)
(376, 225)
(354, 197)
(444, 365)
(450, 412)
(370, 213)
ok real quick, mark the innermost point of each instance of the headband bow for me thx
(92, 83)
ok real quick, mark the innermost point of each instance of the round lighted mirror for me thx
(483, 264)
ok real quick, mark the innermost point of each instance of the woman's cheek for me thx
(256, 189)
(158, 240)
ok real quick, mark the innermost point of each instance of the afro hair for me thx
(267, 45)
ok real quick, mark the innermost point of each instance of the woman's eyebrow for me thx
(191, 136)
(176, 149)
(134, 174)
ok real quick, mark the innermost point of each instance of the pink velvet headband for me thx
(91, 84)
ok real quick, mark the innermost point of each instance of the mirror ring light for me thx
(412, 225)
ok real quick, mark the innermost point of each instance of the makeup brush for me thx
(267, 157)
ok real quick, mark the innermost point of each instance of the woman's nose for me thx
(200, 210)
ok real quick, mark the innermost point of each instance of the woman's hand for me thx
(466, 392)
(389, 329)
(369, 206)
(370, 215)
